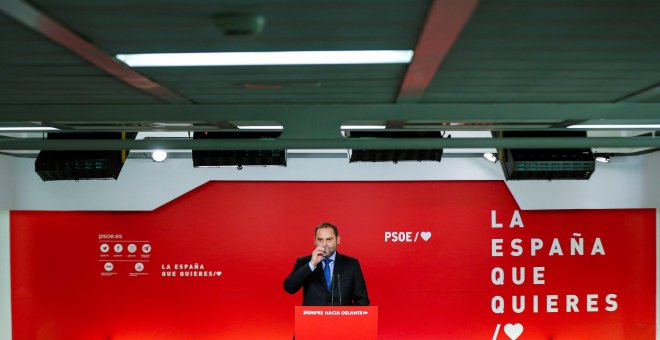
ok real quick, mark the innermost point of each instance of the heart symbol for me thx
(426, 235)
(513, 331)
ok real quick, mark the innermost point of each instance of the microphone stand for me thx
(339, 286)
(332, 291)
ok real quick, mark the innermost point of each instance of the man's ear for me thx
(338, 239)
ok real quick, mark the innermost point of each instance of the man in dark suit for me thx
(327, 277)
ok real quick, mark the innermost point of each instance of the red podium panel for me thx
(338, 322)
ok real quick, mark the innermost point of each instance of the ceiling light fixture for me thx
(490, 156)
(267, 58)
(363, 127)
(27, 128)
(159, 156)
(260, 127)
(615, 126)
(603, 158)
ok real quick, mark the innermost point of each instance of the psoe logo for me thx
(407, 236)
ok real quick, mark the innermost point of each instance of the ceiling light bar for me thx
(363, 127)
(316, 151)
(267, 58)
(27, 128)
(616, 126)
(260, 127)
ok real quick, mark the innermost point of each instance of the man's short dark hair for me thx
(327, 225)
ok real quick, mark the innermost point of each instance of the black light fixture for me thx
(394, 155)
(82, 165)
(237, 158)
(546, 164)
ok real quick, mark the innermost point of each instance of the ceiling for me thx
(479, 67)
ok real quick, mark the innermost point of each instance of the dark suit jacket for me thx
(315, 292)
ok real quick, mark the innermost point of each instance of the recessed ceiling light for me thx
(615, 126)
(27, 128)
(267, 58)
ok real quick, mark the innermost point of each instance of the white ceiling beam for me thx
(324, 143)
(311, 113)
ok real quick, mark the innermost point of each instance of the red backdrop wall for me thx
(447, 286)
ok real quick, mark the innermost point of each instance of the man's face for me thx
(325, 237)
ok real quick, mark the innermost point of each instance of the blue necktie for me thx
(326, 271)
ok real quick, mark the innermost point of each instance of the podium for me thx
(336, 322)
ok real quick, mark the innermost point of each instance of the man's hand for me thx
(317, 255)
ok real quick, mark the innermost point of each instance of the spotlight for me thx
(603, 158)
(159, 155)
(490, 156)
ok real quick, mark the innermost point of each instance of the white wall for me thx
(650, 176)
(617, 184)
(146, 185)
(625, 182)
(7, 186)
(5, 282)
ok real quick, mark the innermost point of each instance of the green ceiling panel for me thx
(188, 26)
(513, 52)
(37, 71)
(283, 84)
(559, 51)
